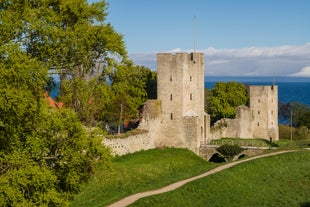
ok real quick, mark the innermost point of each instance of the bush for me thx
(229, 151)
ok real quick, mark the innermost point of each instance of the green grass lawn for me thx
(281, 180)
(139, 172)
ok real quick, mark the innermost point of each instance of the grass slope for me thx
(139, 172)
(282, 180)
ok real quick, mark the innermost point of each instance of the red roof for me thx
(52, 102)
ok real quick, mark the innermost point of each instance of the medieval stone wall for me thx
(260, 120)
(122, 146)
(240, 127)
(177, 118)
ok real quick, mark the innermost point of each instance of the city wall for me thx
(131, 144)
(240, 127)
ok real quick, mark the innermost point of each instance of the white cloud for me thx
(287, 60)
(304, 72)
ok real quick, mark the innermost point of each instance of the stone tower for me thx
(180, 88)
(264, 109)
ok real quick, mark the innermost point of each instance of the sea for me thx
(290, 89)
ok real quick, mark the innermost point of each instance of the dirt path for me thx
(130, 199)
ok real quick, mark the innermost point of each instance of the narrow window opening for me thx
(191, 96)
(258, 100)
(190, 78)
(257, 123)
(171, 78)
(170, 97)
(258, 112)
(171, 116)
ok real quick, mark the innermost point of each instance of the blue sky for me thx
(238, 37)
(160, 25)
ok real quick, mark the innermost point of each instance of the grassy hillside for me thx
(282, 180)
(139, 172)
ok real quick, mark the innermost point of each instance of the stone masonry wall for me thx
(260, 120)
(180, 88)
(240, 127)
(264, 109)
(122, 146)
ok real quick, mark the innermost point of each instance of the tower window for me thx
(170, 97)
(191, 96)
(190, 78)
(171, 116)
(272, 112)
(257, 123)
(171, 78)
(258, 112)
(258, 100)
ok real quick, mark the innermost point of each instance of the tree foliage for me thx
(299, 113)
(68, 35)
(72, 39)
(224, 98)
(130, 85)
(21, 83)
(44, 154)
(91, 99)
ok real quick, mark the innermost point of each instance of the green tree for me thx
(70, 37)
(90, 99)
(25, 183)
(299, 113)
(45, 154)
(151, 82)
(224, 98)
(21, 82)
(129, 84)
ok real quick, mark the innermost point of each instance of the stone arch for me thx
(217, 158)
(242, 155)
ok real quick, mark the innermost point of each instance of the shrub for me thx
(229, 151)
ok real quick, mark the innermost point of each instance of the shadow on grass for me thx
(272, 144)
(305, 204)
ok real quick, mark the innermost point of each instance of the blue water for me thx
(290, 89)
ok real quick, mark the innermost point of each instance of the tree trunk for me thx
(120, 119)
